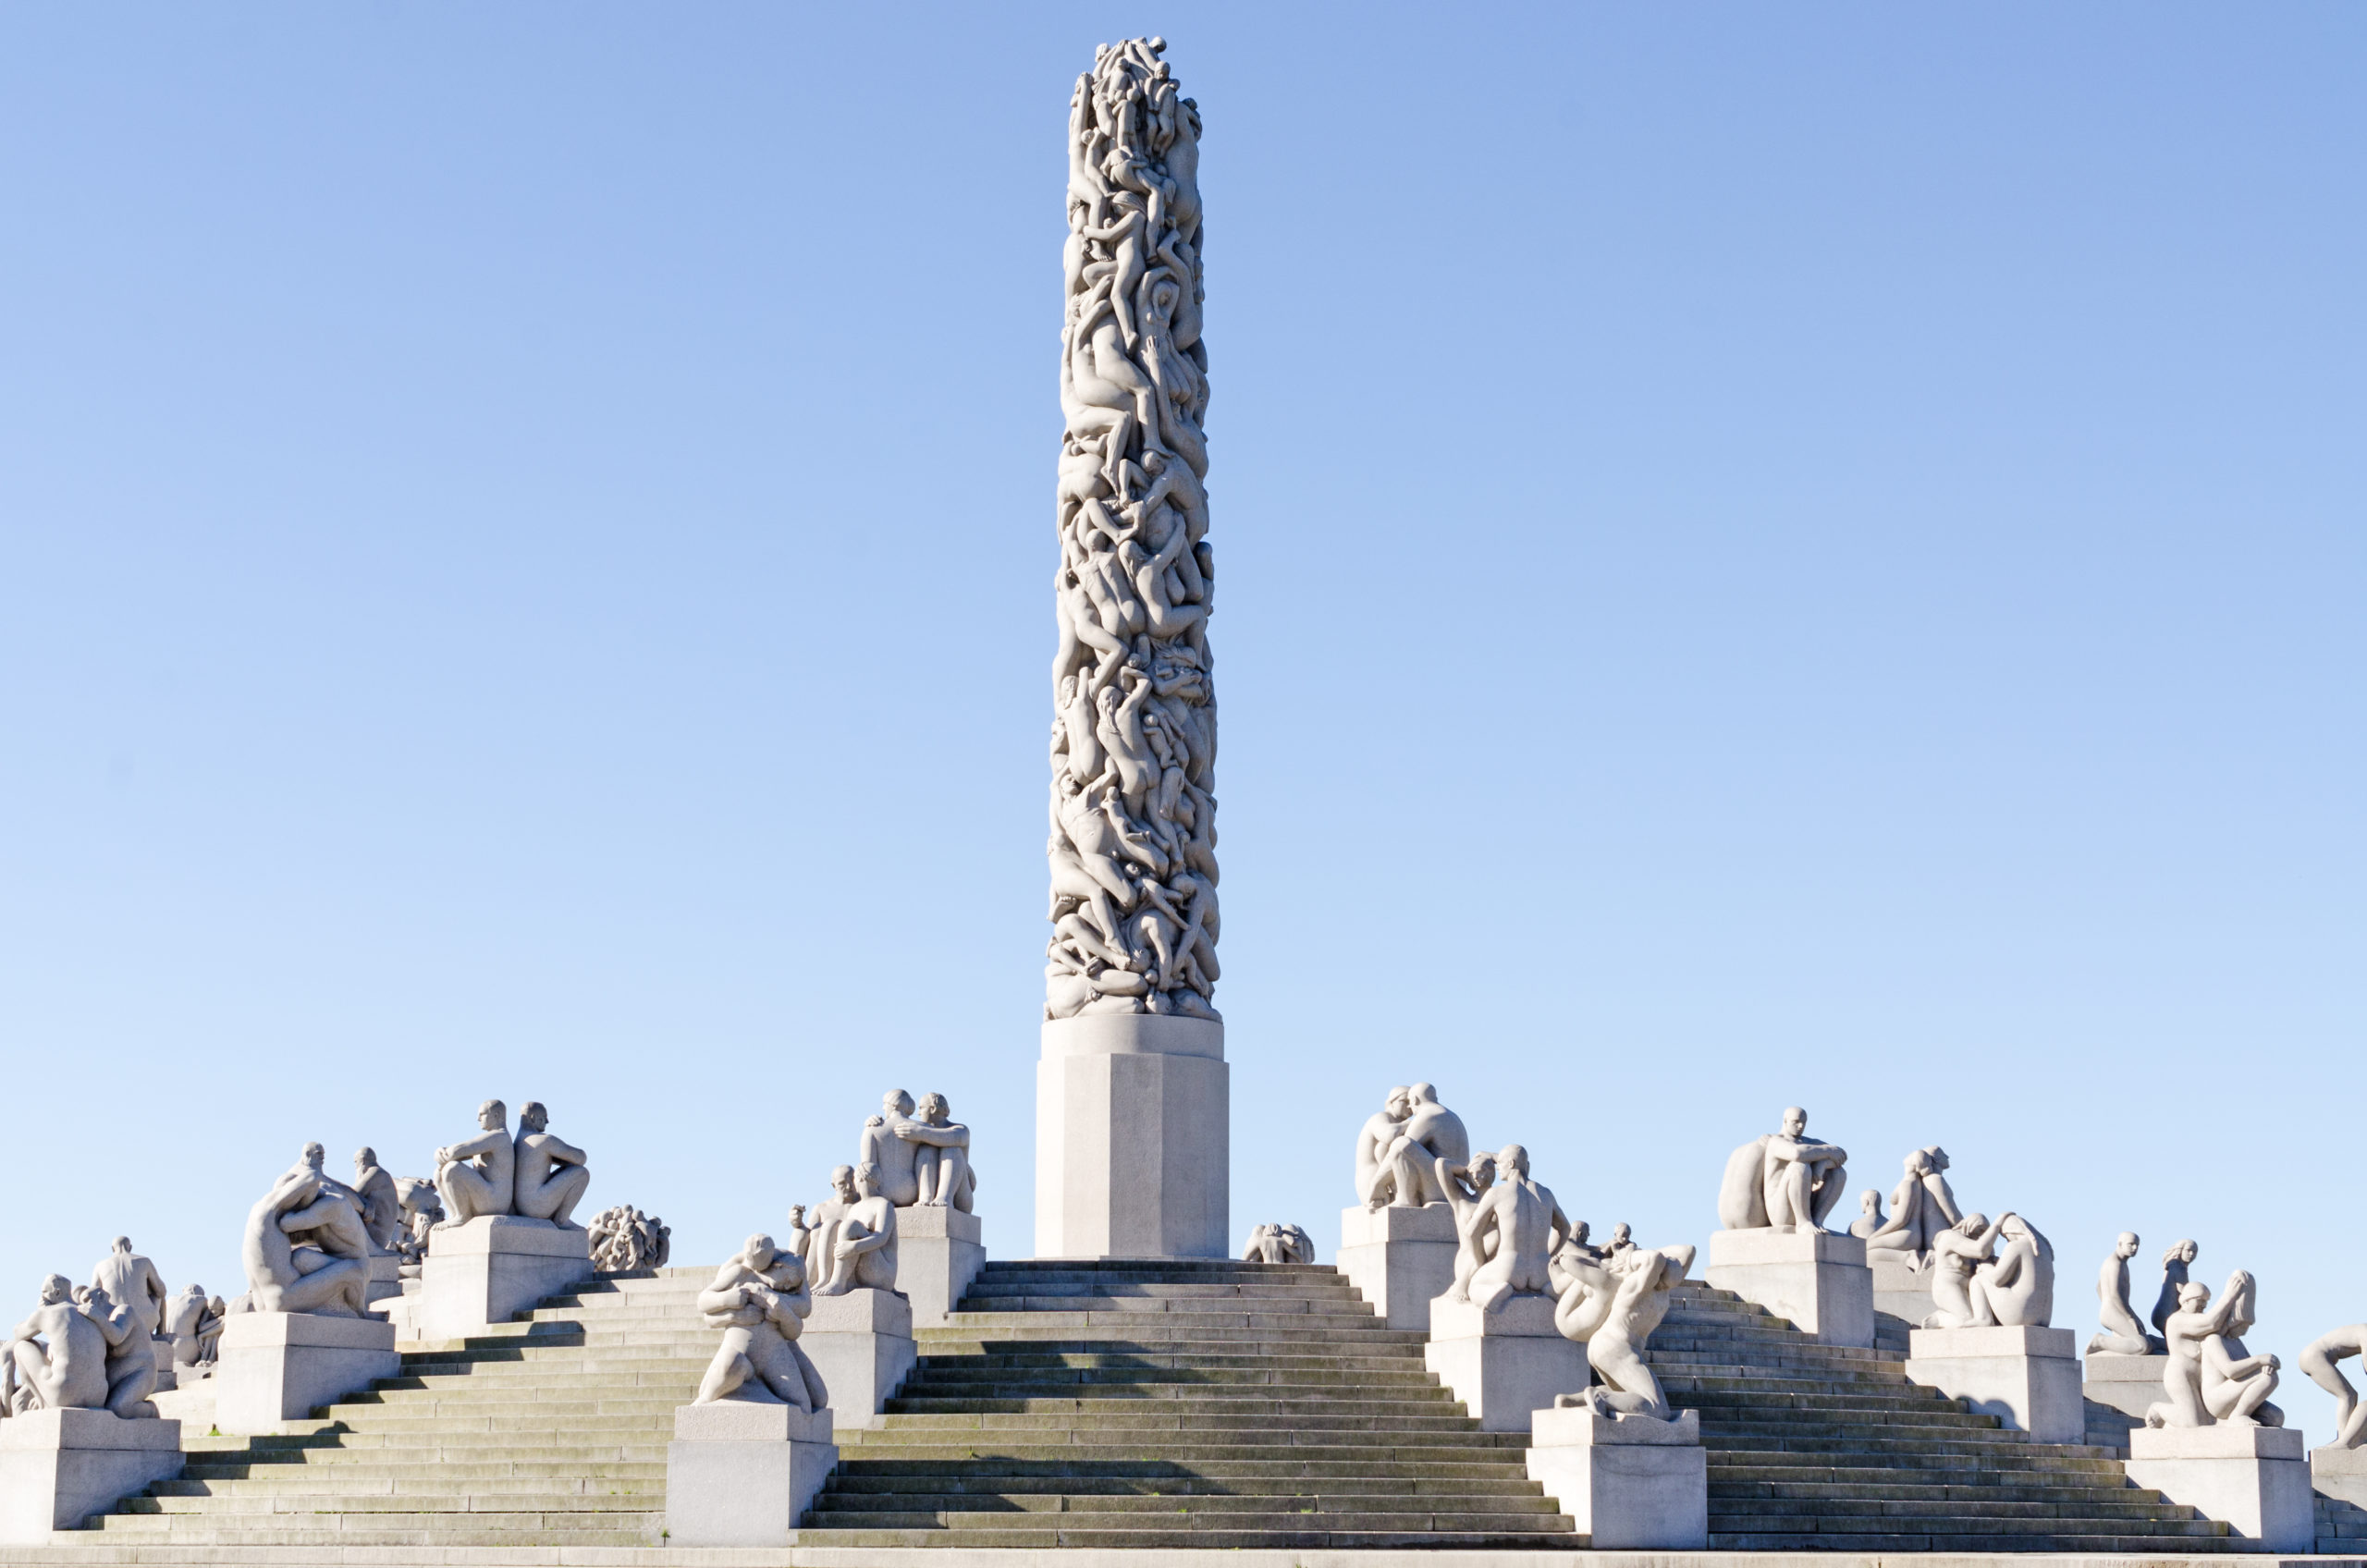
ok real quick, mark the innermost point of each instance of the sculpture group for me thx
(98, 1346)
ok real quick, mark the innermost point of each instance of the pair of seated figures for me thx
(1401, 1146)
(760, 1300)
(80, 1349)
(536, 1175)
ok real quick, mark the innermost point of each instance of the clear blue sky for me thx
(1768, 554)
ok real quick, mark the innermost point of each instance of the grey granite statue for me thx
(549, 1174)
(858, 1236)
(2208, 1376)
(131, 1353)
(1782, 1181)
(1959, 1253)
(1279, 1244)
(131, 1282)
(304, 1250)
(382, 1210)
(1920, 1208)
(479, 1175)
(422, 1207)
(1398, 1168)
(626, 1241)
(1515, 1226)
(759, 1299)
(1612, 1308)
(1133, 847)
(2175, 1264)
(2318, 1363)
(57, 1357)
(195, 1323)
(922, 1158)
(2124, 1333)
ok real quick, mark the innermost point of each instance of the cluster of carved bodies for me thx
(1132, 848)
(760, 1301)
(93, 1348)
(624, 1241)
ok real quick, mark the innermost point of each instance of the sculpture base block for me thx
(1817, 1279)
(168, 1374)
(1901, 1290)
(1632, 1484)
(1398, 1259)
(1503, 1366)
(937, 1256)
(280, 1366)
(862, 1344)
(2340, 1472)
(57, 1467)
(2127, 1383)
(385, 1278)
(1132, 1138)
(740, 1473)
(2254, 1479)
(2027, 1378)
(491, 1269)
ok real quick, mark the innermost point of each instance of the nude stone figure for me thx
(1402, 1166)
(2236, 1383)
(1957, 1254)
(942, 1172)
(479, 1176)
(1466, 1189)
(131, 1282)
(57, 1357)
(2174, 1276)
(1920, 1208)
(131, 1353)
(382, 1210)
(1527, 1225)
(1613, 1307)
(2017, 1289)
(1374, 1139)
(2318, 1363)
(1279, 1244)
(884, 1145)
(1869, 1214)
(2185, 1332)
(549, 1174)
(859, 1240)
(2123, 1334)
(759, 1299)
(195, 1324)
(304, 1250)
(1782, 1181)
(1622, 1241)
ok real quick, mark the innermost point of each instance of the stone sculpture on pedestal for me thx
(382, 1207)
(131, 1281)
(1399, 1149)
(923, 1160)
(858, 1236)
(131, 1351)
(760, 1301)
(304, 1249)
(2175, 1264)
(1612, 1308)
(2124, 1333)
(422, 1209)
(509, 1236)
(549, 1173)
(479, 1175)
(626, 1241)
(57, 1357)
(1782, 1181)
(2318, 1364)
(195, 1320)
(1920, 1208)
(2211, 1378)
(1512, 1232)
(1278, 1243)
(1492, 1334)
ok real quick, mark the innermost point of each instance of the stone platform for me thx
(76, 1556)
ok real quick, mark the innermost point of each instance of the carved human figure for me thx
(1869, 1214)
(422, 1210)
(861, 1239)
(382, 1210)
(1278, 1243)
(1613, 1307)
(1374, 1139)
(1922, 1206)
(1958, 1253)
(941, 1173)
(1405, 1149)
(479, 1176)
(131, 1282)
(1527, 1225)
(2175, 1264)
(2123, 1333)
(304, 1250)
(2318, 1363)
(802, 1231)
(195, 1323)
(2017, 1289)
(2236, 1383)
(57, 1357)
(1465, 1188)
(760, 1301)
(550, 1173)
(1782, 1181)
(1622, 1241)
(131, 1351)
(882, 1144)
(2184, 1332)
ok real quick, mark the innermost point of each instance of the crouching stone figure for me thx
(760, 1301)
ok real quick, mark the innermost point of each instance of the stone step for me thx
(1971, 1537)
(1211, 1540)
(240, 1504)
(1061, 1464)
(1207, 1429)
(1375, 1520)
(326, 1530)
(1159, 1332)
(1016, 1488)
(1272, 1502)
(1189, 1448)
(335, 1467)
(353, 1481)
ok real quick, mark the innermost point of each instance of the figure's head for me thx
(1396, 1104)
(1971, 1225)
(759, 1251)
(1795, 1121)
(56, 1289)
(895, 1102)
(1513, 1157)
(1869, 1203)
(1917, 1163)
(94, 1299)
(364, 1157)
(2194, 1296)
(314, 1157)
(532, 1117)
(2125, 1247)
(842, 1181)
(1422, 1094)
(1580, 1233)
(934, 1111)
(1482, 1172)
(123, 1245)
(866, 1179)
(1620, 1235)
(2185, 1252)
(1938, 1157)
(493, 1116)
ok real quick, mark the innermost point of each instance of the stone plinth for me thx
(385, 1278)
(1817, 1279)
(2027, 1378)
(740, 1473)
(279, 1367)
(2127, 1383)
(57, 1467)
(491, 1269)
(1505, 1365)
(937, 1256)
(2340, 1472)
(1132, 1138)
(1398, 1259)
(1632, 1484)
(2254, 1479)
(862, 1344)
(168, 1375)
(1900, 1289)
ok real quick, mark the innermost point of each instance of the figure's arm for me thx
(952, 1135)
(855, 1246)
(562, 1152)
(1560, 1224)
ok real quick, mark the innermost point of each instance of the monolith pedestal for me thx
(2254, 1479)
(1505, 1365)
(57, 1467)
(1632, 1484)
(937, 1253)
(492, 1268)
(741, 1472)
(2340, 1472)
(2027, 1378)
(1817, 1279)
(1133, 1140)
(1398, 1258)
(273, 1367)
(862, 1344)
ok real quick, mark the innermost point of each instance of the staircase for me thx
(1176, 1405)
(1816, 1448)
(551, 1431)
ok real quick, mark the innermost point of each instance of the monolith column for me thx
(1131, 1094)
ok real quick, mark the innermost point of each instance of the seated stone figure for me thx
(479, 1175)
(1920, 1208)
(2016, 1290)
(131, 1353)
(1869, 1214)
(131, 1282)
(1782, 1181)
(2124, 1331)
(57, 1357)
(941, 1173)
(2175, 1264)
(1398, 1168)
(1526, 1226)
(2185, 1333)
(902, 1146)
(2319, 1363)
(2236, 1383)
(1464, 1189)
(1279, 1244)
(195, 1323)
(382, 1210)
(548, 1174)
(1958, 1253)
(858, 1237)
(1612, 1308)
(304, 1250)
(759, 1299)
(423, 1210)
